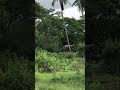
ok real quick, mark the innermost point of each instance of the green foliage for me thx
(52, 67)
(81, 49)
(94, 86)
(67, 55)
(16, 26)
(111, 53)
(52, 62)
(16, 73)
(65, 70)
(65, 80)
(49, 30)
(45, 62)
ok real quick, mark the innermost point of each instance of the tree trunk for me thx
(66, 32)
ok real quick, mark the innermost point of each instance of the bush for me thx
(81, 49)
(111, 53)
(95, 86)
(45, 62)
(53, 62)
(67, 55)
(16, 73)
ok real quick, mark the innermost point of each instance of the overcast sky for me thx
(68, 12)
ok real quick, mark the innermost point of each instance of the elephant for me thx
(65, 48)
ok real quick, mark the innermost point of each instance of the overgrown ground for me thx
(100, 80)
(66, 71)
(16, 73)
(61, 81)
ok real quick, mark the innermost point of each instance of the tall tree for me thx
(80, 4)
(62, 2)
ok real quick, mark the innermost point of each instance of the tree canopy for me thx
(50, 33)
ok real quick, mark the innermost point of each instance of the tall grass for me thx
(62, 80)
(51, 62)
(66, 71)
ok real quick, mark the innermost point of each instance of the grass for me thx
(100, 80)
(57, 86)
(68, 71)
(49, 76)
(60, 81)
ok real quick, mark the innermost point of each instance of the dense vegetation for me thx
(62, 69)
(49, 30)
(17, 45)
(17, 27)
(55, 69)
(102, 30)
(53, 62)
(16, 72)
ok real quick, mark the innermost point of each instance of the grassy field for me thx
(67, 71)
(100, 80)
(60, 81)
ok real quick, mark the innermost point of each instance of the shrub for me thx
(16, 73)
(52, 62)
(45, 62)
(111, 53)
(81, 49)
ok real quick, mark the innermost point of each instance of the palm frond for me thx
(53, 2)
(75, 3)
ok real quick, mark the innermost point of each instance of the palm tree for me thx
(62, 2)
(80, 4)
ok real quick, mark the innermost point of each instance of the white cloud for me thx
(47, 4)
(72, 12)
(69, 11)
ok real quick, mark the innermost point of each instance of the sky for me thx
(69, 11)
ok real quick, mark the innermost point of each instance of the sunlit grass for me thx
(68, 72)
(60, 81)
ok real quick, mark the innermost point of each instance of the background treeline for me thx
(49, 30)
(102, 30)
